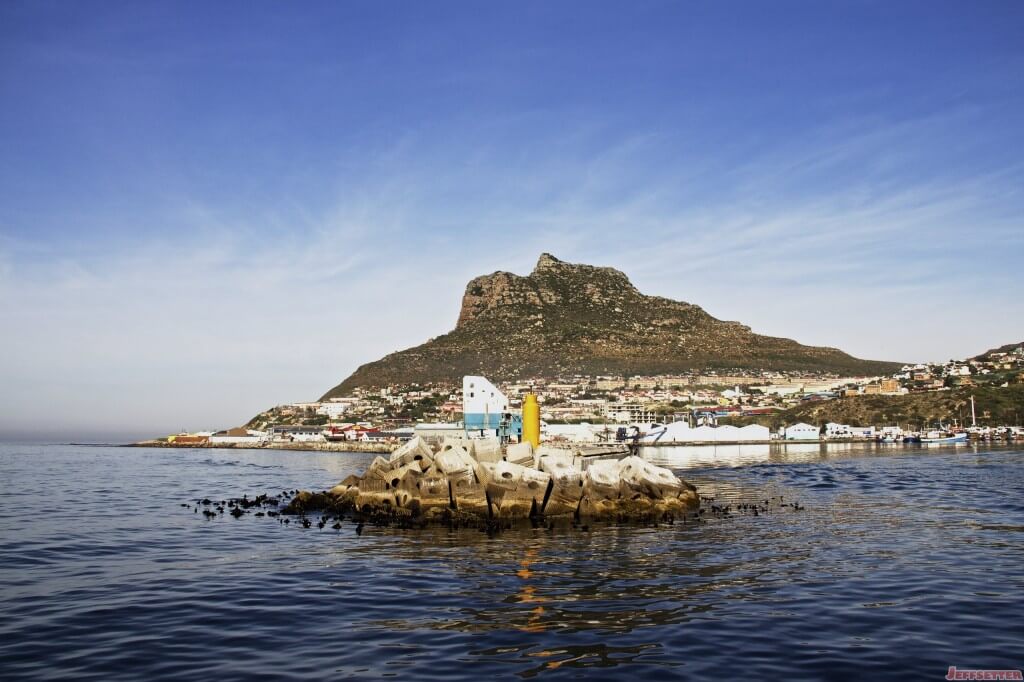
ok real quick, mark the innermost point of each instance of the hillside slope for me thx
(993, 406)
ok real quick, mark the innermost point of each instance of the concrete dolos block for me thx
(601, 485)
(348, 488)
(485, 450)
(460, 468)
(414, 450)
(514, 490)
(433, 490)
(639, 478)
(455, 463)
(519, 453)
(411, 470)
(470, 497)
(379, 468)
(566, 484)
(374, 492)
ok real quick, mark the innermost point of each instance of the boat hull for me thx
(960, 438)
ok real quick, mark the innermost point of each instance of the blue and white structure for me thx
(485, 411)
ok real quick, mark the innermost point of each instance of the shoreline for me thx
(387, 448)
(347, 446)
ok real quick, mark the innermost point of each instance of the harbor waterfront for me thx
(900, 560)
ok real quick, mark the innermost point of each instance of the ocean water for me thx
(902, 561)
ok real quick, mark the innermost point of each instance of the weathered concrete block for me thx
(411, 470)
(379, 468)
(497, 477)
(485, 450)
(374, 491)
(348, 493)
(433, 489)
(404, 498)
(566, 484)
(453, 442)
(528, 495)
(520, 453)
(549, 451)
(469, 496)
(454, 462)
(641, 479)
(602, 480)
(342, 488)
(515, 490)
(414, 450)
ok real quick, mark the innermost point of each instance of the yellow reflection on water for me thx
(528, 593)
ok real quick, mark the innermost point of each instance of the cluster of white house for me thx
(649, 434)
(486, 410)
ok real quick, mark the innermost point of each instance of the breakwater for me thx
(482, 479)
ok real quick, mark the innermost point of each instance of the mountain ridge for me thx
(1008, 348)
(566, 318)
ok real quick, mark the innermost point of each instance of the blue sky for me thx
(210, 208)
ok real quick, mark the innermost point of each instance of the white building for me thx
(239, 437)
(299, 434)
(891, 432)
(630, 413)
(834, 430)
(332, 410)
(482, 401)
(802, 431)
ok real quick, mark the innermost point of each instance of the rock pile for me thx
(479, 478)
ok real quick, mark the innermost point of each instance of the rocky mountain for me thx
(565, 319)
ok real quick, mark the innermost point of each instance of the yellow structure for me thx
(531, 420)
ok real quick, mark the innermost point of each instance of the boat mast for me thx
(974, 422)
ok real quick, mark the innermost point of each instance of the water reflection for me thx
(784, 452)
(609, 579)
(693, 456)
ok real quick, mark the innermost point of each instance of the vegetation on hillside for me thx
(994, 406)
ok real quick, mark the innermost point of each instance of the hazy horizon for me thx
(209, 209)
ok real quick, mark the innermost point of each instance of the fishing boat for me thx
(933, 437)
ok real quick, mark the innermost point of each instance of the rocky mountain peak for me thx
(568, 318)
(546, 262)
(553, 284)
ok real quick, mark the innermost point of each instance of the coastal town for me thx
(698, 407)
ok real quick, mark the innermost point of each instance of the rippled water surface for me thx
(903, 561)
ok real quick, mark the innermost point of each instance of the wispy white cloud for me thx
(246, 306)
